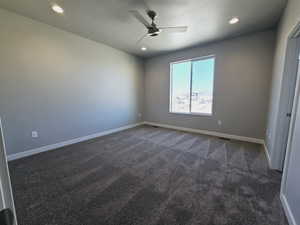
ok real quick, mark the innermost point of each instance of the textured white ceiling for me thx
(109, 22)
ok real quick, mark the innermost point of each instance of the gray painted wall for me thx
(288, 22)
(242, 81)
(62, 85)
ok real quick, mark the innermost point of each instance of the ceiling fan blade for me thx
(140, 18)
(142, 38)
(179, 29)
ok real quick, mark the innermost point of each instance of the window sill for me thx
(193, 114)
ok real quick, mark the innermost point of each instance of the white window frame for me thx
(171, 87)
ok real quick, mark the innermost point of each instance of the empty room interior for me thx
(150, 112)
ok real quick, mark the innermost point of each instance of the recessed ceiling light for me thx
(143, 48)
(234, 20)
(56, 8)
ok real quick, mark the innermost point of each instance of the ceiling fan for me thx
(153, 29)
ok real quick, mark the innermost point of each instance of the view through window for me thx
(192, 86)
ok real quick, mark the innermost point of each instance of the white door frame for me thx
(294, 34)
(6, 195)
(290, 75)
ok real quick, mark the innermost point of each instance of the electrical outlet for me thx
(219, 122)
(34, 134)
(140, 115)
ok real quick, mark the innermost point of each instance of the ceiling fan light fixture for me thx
(154, 33)
(143, 48)
(234, 20)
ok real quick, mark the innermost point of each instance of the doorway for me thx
(289, 193)
(289, 86)
(7, 208)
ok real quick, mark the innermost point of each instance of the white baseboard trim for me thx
(69, 142)
(267, 155)
(206, 132)
(287, 210)
(85, 138)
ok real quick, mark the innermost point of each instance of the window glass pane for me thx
(202, 86)
(180, 87)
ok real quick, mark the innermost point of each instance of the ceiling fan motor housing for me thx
(153, 31)
(151, 14)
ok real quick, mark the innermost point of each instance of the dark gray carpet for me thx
(148, 176)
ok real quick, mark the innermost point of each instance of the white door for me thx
(286, 103)
(7, 209)
(290, 186)
(290, 92)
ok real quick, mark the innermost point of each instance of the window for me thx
(191, 86)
